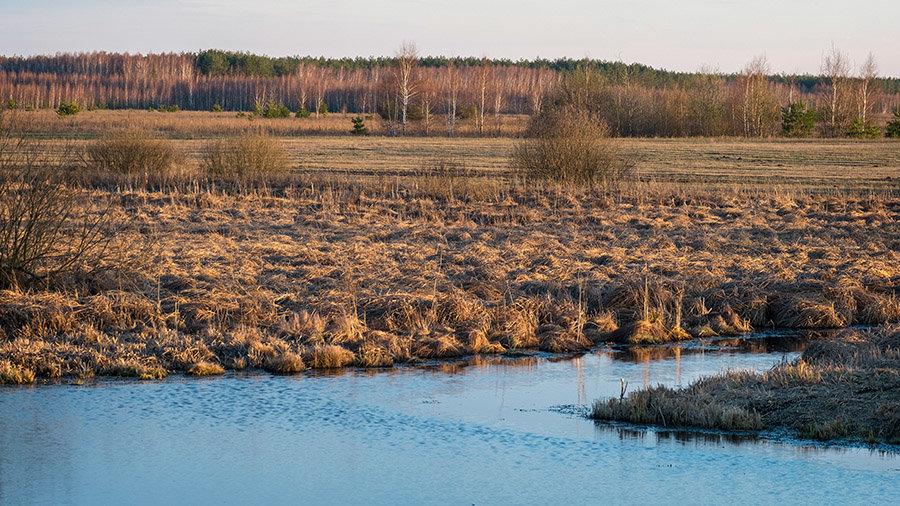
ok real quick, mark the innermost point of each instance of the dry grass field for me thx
(376, 251)
(806, 165)
(201, 124)
(326, 274)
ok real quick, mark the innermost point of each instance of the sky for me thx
(681, 35)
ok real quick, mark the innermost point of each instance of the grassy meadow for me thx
(375, 251)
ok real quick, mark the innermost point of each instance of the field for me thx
(199, 124)
(324, 146)
(375, 251)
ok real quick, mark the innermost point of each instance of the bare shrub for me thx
(247, 156)
(568, 145)
(46, 226)
(133, 154)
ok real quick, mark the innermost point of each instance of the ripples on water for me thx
(481, 430)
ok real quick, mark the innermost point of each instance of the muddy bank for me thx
(331, 274)
(847, 386)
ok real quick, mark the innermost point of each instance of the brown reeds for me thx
(333, 270)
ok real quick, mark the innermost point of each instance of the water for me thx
(472, 432)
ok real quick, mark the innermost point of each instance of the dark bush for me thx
(359, 126)
(273, 110)
(68, 109)
(893, 127)
(797, 120)
(46, 226)
(863, 130)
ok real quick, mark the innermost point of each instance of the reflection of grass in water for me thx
(687, 436)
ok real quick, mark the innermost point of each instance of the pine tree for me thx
(359, 126)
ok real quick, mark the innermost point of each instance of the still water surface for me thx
(481, 431)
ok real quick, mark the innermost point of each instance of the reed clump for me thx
(285, 363)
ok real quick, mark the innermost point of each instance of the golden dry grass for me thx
(204, 368)
(332, 273)
(201, 124)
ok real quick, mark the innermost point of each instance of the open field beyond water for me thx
(323, 145)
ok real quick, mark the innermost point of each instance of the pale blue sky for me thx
(678, 35)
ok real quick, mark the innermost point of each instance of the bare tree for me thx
(483, 84)
(404, 72)
(426, 95)
(868, 72)
(498, 90)
(836, 67)
(759, 106)
(452, 90)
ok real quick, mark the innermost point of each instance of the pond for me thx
(476, 431)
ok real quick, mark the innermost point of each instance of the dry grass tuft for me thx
(669, 408)
(135, 369)
(329, 356)
(643, 332)
(372, 355)
(204, 368)
(478, 342)
(285, 363)
(13, 374)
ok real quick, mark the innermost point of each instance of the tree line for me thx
(632, 99)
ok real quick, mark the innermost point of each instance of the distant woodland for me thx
(634, 100)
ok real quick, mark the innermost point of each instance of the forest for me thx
(634, 100)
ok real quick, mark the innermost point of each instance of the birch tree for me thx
(868, 72)
(836, 68)
(404, 72)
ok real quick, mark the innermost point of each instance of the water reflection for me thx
(679, 436)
